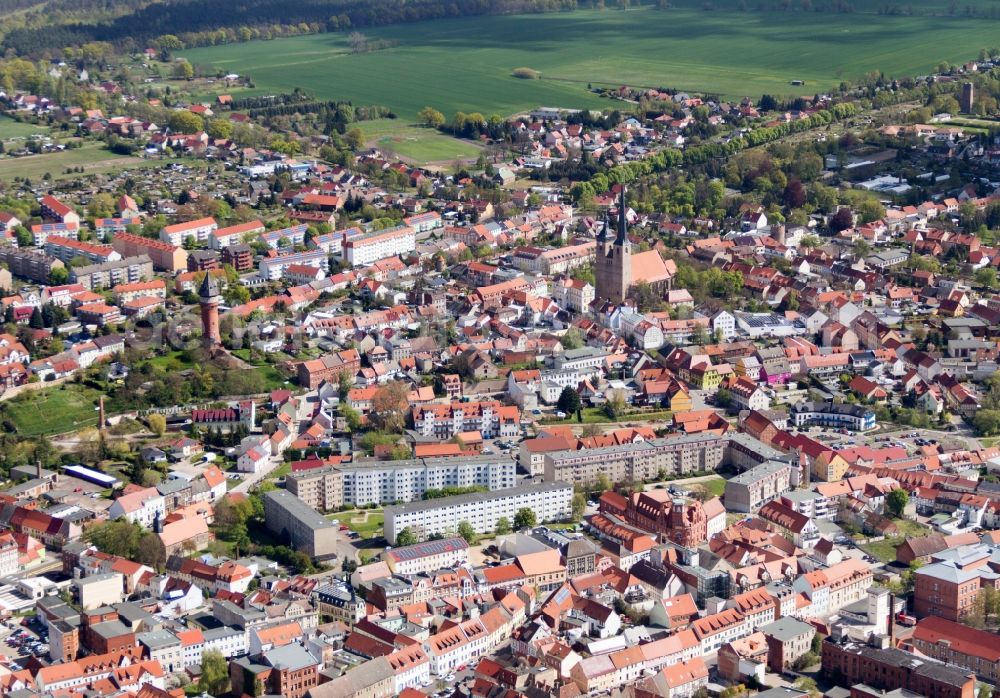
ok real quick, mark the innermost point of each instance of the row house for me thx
(444, 421)
(67, 249)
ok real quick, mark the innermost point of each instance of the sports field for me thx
(465, 64)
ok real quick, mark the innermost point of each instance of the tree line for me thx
(206, 21)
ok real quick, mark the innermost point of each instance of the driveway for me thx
(251, 479)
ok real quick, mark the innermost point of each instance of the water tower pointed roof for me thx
(209, 287)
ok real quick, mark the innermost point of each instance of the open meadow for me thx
(52, 410)
(92, 157)
(416, 143)
(466, 64)
(11, 128)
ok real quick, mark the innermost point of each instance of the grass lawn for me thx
(181, 361)
(272, 376)
(885, 549)
(281, 471)
(715, 487)
(466, 64)
(367, 523)
(912, 529)
(53, 411)
(596, 415)
(173, 361)
(562, 526)
(422, 145)
(11, 128)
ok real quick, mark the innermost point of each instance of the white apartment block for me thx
(581, 359)
(428, 556)
(295, 235)
(551, 501)
(397, 481)
(424, 222)
(143, 507)
(9, 557)
(273, 268)
(364, 250)
(406, 481)
(201, 230)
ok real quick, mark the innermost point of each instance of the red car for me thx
(906, 620)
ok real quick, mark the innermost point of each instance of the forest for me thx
(135, 24)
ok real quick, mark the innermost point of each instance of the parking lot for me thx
(25, 637)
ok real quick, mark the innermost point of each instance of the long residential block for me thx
(109, 274)
(658, 457)
(397, 481)
(364, 250)
(551, 501)
(273, 268)
(29, 264)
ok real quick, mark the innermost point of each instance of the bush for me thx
(526, 74)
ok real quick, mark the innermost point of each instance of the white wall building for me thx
(551, 501)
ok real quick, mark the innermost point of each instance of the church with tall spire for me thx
(617, 270)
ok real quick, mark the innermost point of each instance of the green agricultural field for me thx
(52, 411)
(466, 64)
(11, 128)
(422, 145)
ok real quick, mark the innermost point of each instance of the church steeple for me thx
(622, 237)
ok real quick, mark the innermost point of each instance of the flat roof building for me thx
(292, 519)
(550, 501)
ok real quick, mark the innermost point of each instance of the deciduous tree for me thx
(524, 518)
(431, 117)
(569, 400)
(214, 673)
(896, 502)
(406, 537)
(389, 406)
(157, 424)
(466, 531)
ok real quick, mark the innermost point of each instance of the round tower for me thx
(209, 299)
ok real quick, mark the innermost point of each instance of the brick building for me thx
(959, 645)
(163, 255)
(949, 585)
(848, 663)
(681, 520)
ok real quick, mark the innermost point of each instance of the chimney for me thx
(100, 417)
(38, 469)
